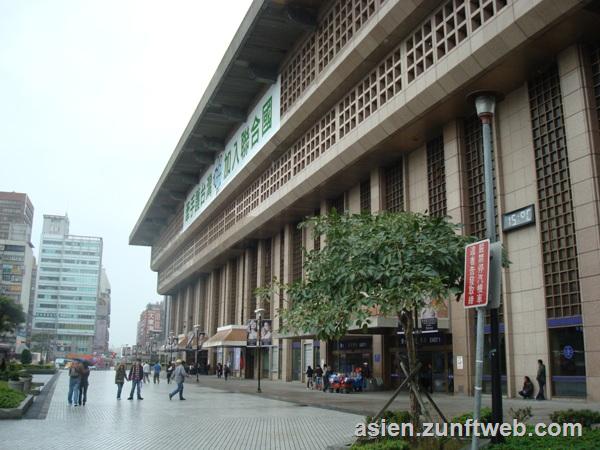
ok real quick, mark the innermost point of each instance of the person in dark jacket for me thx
(328, 373)
(170, 369)
(527, 391)
(136, 376)
(309, 377)
(84, 383)
(541, 379)
(120, 377)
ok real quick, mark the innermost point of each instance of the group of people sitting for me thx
(327, 379)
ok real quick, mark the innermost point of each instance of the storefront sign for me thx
(263, 121)
(477, 271)
(425, 339)
(429, 324)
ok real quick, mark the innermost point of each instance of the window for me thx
(394, 188)
(436, 177)
(365, 196)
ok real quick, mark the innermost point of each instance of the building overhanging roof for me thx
(251, 63)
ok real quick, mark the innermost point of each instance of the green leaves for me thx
(382, 264)
(11, 314)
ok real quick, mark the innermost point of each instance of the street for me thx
(209, 419)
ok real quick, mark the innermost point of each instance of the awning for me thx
(182, 341)
(228, 336)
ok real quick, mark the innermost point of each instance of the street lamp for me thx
(170, 341)
(258, 313)
(198, 333)
(485, 104)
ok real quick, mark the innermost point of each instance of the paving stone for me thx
(209, 419)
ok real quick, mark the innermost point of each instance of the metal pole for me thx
(490, 220)
(197, 350)
(259, 352)
(478, 373)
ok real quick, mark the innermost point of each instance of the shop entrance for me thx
(351, 352)
(434, 352)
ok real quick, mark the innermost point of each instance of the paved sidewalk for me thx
(209, 419)
(369, 403)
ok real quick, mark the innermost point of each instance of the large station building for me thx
(363, 105)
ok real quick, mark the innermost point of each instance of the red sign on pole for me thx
(477, 274)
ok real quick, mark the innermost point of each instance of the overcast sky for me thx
(94, 96)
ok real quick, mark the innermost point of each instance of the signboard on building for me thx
(477, 271)
(262, 122)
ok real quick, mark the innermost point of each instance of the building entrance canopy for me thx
(228, 336)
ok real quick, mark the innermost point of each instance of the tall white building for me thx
(68, 285)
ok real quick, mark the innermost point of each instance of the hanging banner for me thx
(266, 333)
(261, 124)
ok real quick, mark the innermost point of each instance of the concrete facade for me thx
(383, 122)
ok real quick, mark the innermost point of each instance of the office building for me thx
(68, 285)
(364, 106)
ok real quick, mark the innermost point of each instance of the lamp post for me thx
(198, 334)
(170, 341)
(258, 313)
(485, 103)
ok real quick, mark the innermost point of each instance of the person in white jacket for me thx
(146, 372)
(179, 376)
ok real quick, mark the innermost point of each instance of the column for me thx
(583, 146)
(462, 321)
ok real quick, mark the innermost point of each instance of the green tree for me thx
(26, 357)
(11, 314)
(387, 264)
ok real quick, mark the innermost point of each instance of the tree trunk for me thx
(406, 319)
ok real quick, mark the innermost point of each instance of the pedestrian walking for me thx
(136, 375)
(83, 383)
(219, 370)
(541, 379)
(146, 372)
(179, 376)
(156, 373)
(309, 377)
(226, 371)
(318, 378)
(328, 373)
(74, 380)
(120, 377)
(170, 369)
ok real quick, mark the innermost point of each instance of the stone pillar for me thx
(260, 267)
(376, 190)
(583, 146)
(462, 321)
(378, 367)
(239, 295)
(225, 296)
(246, 298)
(417, 193)
(286, 358)
(524, 304)
(354, 199)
